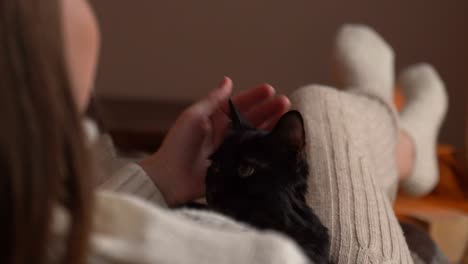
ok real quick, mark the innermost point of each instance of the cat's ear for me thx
(238, 122)
(290, 130)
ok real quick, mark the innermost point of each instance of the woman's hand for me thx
(179, 167)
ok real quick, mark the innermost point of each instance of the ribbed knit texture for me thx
(351, 142)
(119, 174)
(128, 230)
(131, 179)
(366, 64)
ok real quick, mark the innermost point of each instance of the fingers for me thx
(267, 114)
(220, 123)
(260, 106)
(215, 99)
(246, 99)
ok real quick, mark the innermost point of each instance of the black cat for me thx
(260, 178)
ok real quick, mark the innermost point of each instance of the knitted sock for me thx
(421, 117)
(364, 62)
(350, 145)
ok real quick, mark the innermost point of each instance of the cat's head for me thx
(254, 167)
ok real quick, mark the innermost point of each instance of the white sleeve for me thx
(119, 174)
(132, 179)
(129, 230)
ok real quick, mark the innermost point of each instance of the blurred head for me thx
(81, 40)
(48, 51)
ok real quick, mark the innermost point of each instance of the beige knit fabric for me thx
(351, 142)
(120, 174)
(128, 230)
(132, 179)
(366, 66)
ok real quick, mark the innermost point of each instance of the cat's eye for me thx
(246, 171)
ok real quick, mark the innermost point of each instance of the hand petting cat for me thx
(179, 167)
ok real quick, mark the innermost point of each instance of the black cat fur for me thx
(260, 178)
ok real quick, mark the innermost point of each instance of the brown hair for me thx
(43, 159)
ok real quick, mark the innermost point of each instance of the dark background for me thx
(174, 51)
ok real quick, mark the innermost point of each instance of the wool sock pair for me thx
(365, 64)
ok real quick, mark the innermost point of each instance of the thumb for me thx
(215, 98)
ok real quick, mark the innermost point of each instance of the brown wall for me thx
(178, 50)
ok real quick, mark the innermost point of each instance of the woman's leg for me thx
(351, 141)
(357, 151)
(352, 138)
(344, 127)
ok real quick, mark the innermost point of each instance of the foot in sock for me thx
(364, 62)
(421, 118)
